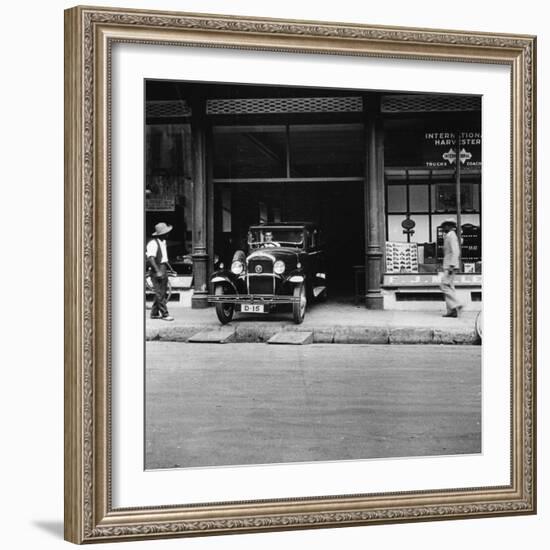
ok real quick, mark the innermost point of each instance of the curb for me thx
(334, 334)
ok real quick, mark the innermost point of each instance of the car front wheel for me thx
(223, 311)
(299, 307)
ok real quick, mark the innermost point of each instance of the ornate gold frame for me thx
(89, 34)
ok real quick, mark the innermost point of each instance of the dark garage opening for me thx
(293, 172)
(337, 207)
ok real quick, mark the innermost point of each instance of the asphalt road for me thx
(212, 404)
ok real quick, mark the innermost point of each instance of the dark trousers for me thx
(159, 308)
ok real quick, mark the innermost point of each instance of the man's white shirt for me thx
(152, 248)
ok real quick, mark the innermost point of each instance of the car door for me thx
(317, 261)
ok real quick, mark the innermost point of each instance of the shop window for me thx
(395, 231)
(474, 219)
(420, 233)
(421, 229)
(397, 198)
(427, 202)
(418, 198)
(438, 219)
(168, 185)
(444, 197)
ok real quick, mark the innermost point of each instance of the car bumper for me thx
(252, 299)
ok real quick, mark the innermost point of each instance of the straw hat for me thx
(161, 229)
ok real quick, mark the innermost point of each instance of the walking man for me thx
(451, 253)
(157, 260)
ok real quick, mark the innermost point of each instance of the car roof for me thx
(275, 225)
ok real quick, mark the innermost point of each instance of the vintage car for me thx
(284, 265)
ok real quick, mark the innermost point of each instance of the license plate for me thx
(252, 308)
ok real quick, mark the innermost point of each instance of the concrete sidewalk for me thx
(338, 323)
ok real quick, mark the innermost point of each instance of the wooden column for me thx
(374, 207)
(200, 254)
(209, 173)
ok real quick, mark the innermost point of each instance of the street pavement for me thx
(212, 404)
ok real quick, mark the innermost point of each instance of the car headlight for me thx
(237, 267)
(279, 267)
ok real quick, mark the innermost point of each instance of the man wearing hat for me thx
(451, 253)
(157, 259)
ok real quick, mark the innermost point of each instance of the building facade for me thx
(378, 171)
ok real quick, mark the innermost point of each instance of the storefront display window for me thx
(444, 197)
(418, 198)
(427, 203)
(168, 184)
(397, 198)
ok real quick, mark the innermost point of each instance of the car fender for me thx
(295, 277)
(226, 278)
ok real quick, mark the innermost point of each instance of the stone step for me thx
(292, 338)
(216, 336)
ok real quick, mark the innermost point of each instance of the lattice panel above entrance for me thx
(265, 105)
(167, 109)
(408, 103)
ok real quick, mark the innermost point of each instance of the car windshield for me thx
(275, 236)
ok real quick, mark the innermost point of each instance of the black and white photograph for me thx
(313, 274)
(300, 275)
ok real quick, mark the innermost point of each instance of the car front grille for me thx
(260, 279)
(265, 265)
(260, 285)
